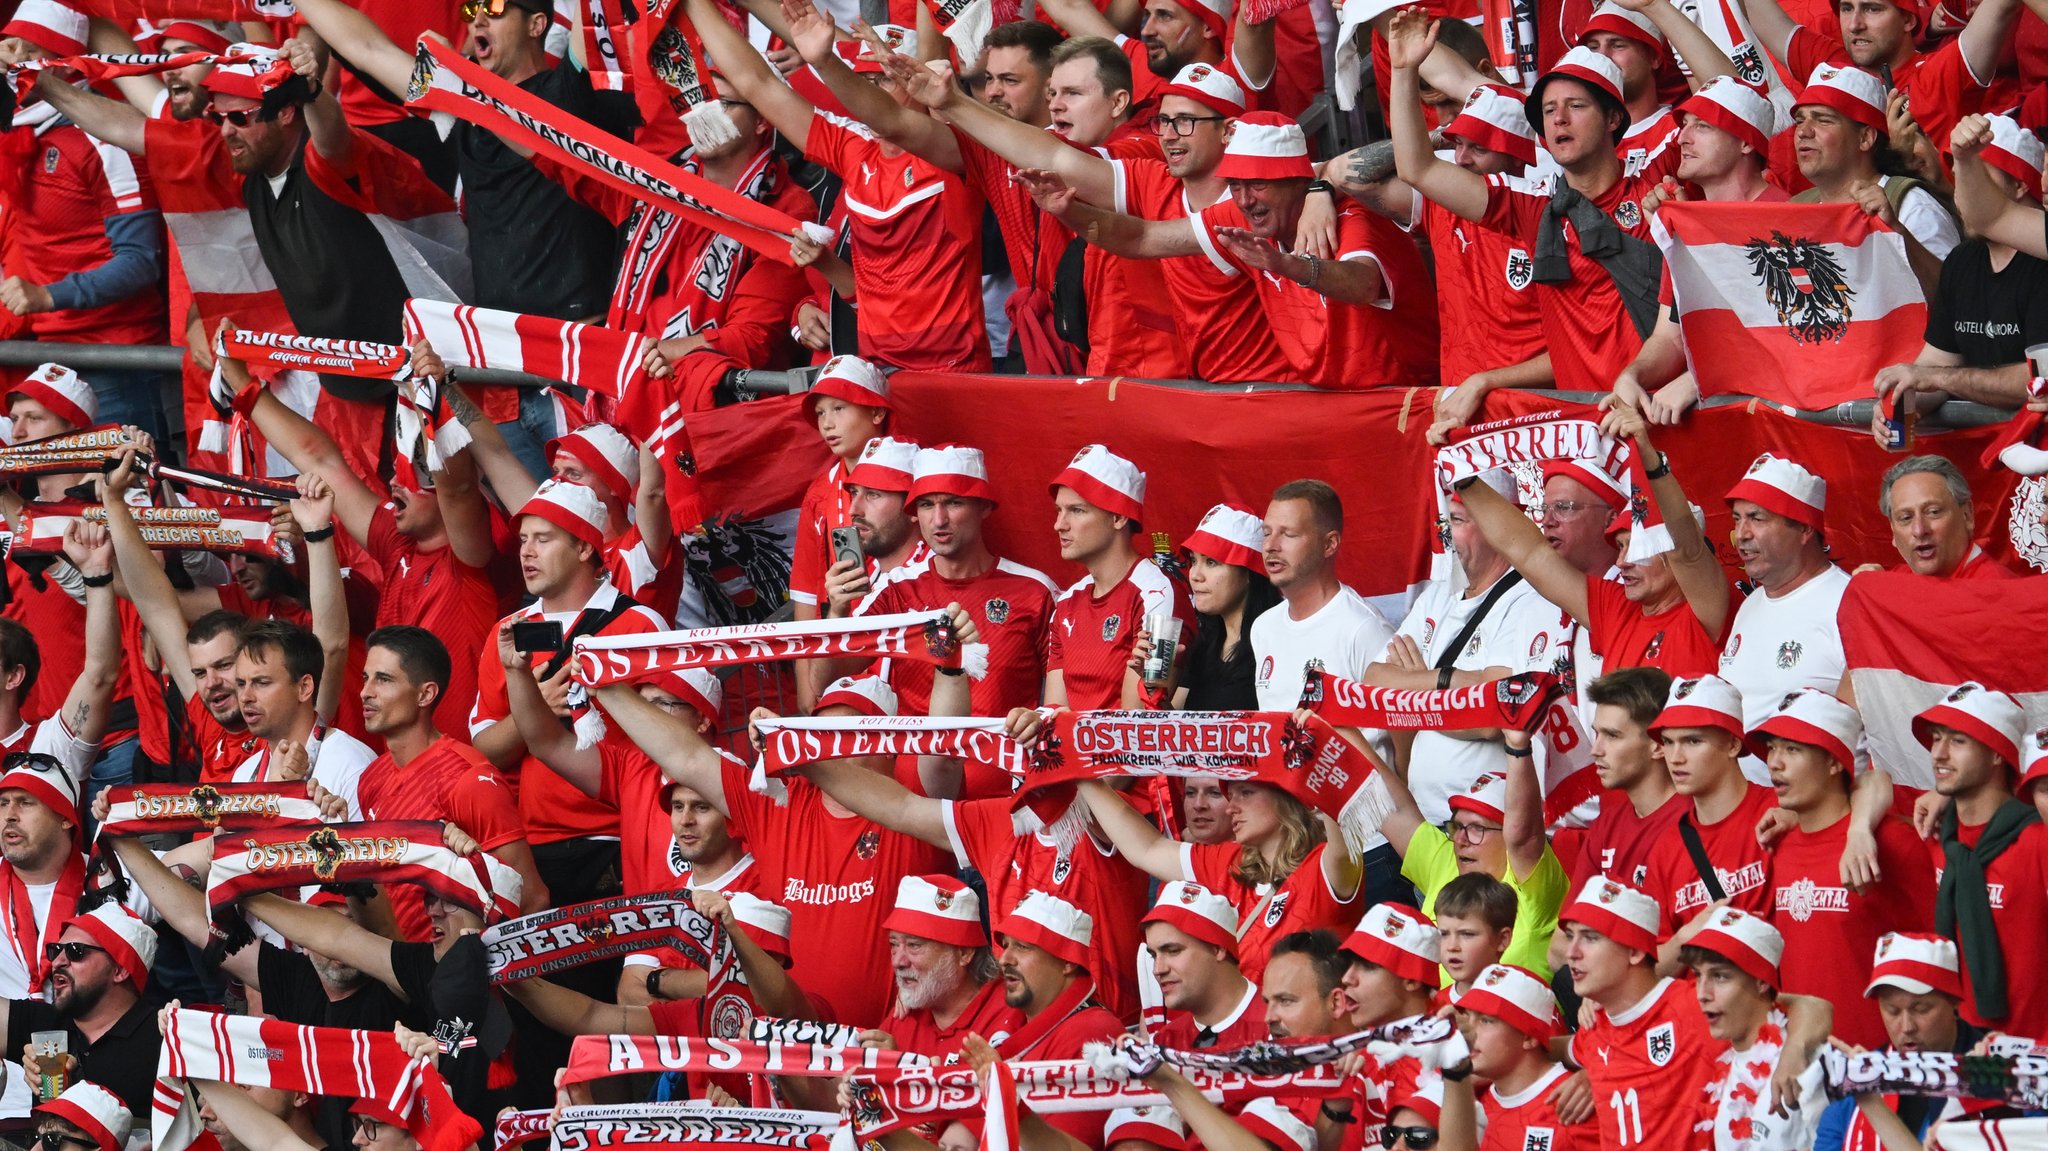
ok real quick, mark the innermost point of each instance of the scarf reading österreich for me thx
(791, 743)
(2015, 1073)
(922, 636)
(152, 808)
(1534, 701)
(1526, 439)
(284, 351)
(1309, 761)
(562, 937)
(253, 1052)
(589, 1128)
(442, 81)
(228, 529)
(379, 851)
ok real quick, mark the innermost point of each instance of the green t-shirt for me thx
(1432, 862)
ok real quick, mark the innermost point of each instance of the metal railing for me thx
(755, 383)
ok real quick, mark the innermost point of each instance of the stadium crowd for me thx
(340, 681)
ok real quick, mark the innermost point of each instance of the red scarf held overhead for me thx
(224, 529)
(923, 637)
(790, 743)
(202, 809)
(562, 937)
(25, 935)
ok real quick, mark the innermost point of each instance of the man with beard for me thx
(1047, 977)
(878, 508)
(1175, 34)
(42, 866)
(99, 966)
(277, 677)
(946, 987)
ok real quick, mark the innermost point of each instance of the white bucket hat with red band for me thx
(63, 391)
(1612, 17)
(1198, 912)
(852, 379)
(1517, 998)
(1707, 701)
(1052, 925)
(765, 923)
(1209, 86)
(45, 778)
(58, 29)
(1400, 939)
(201, 34)
(257, 78)
(94, 1110)
(1587, 67)
(1230, 535)
(1916, 963)
(866, 694)
(1604, 487)
(1811, 716)
(1493, 119)
(608, 453)
(1270, 1120)
(939, 908)
(1992, 718)
(1157, 1124)
(949, 470)
(2016, 152)
(129, 942)
(1615, 910)
(1735, 108)
(885, 465)
(695, 686)
(574, 508)
(1778, 485)
(1215, 15)
(1105, 479)
(1265, 146)
(1486, 796)
(1751, 944)
(1853, 92)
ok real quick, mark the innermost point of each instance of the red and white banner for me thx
(1901, 633)
(1816, 297)
(586, 355)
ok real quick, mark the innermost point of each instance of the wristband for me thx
(1522, 752)
(951, 671)
(1344, 1117)
(654, 983)
(1443, 679)
(98, 580)
(245, 400)
(1662, 469)
(321, 535)
(1322, 186)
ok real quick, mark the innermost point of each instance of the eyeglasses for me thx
(53, 1140)
(74, 951)
(1561, 510)
(243, 118)
(1419, 1138)
(1471, 832)
(671, 706)
(370, 1129)
(1181, 125)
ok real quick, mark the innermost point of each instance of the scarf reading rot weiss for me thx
(591, 1128)
(1309, 761)
(442, 81)
(380, 851)
(253, 1052)
(156, 808)
(561, 937)
(925, 637)
(1517, 702)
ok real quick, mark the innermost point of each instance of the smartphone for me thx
(1884, 72)
(537, 636)
(846, 546)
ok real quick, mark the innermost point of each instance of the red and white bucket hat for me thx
(1052, 925)
(1615, 910)
(852, 379)
(1811, 716)
(1992, 718)
(1515, 996)
(1265, 146)
(1493, 119)
(610, 455)
(1612, 17)
(61, 390)
(1105, 479)
(1737, 109)
(1230, 535)
(866, 694)
(2017, 152)
(949, 470)
(574, 508)
(1704, 701)
(1198, 912)
(1587, 67)
(1916, 963)
(1209, 86)
(1853, 92)
(939, 908)
(1400, 939)
(1778, 485)
(1751, 944)
(885, 464)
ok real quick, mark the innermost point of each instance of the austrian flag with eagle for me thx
(1817, 297)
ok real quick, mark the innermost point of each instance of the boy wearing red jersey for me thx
(1714, 857)
(1511, 1020)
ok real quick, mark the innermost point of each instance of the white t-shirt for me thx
(52, 737)
(1516, 634)
(338, 762)
(1779, 644)
(1344, 634)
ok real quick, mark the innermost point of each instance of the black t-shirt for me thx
(532, 248)
(335, 275)
(123, 1061)
(465, 1017)
(1988, 318)
(292, 991)
(1215, 684)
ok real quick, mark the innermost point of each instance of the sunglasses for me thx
(31, 761)
(54, 1140)
(73, 951)
(241, 119)
(1419, 1138)
(492, 8)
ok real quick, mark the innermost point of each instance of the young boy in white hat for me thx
(1734, 961)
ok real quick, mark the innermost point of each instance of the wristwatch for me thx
(1322, 186)
(654, 983)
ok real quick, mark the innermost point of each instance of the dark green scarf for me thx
(1962, 905)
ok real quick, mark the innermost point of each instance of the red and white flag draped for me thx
(248, 1051)
(1816, 297)
(1910, 639)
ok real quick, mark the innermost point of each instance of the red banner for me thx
(1199, 448)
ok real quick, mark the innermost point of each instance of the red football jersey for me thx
(632, 783)
(74, 186)
(1389, 342)
(1486, 309)
(1217, 310)
(1093, 878)
(916, 252)
(826, 505)
(1303, 901)
(1743, 867)
(1831, 933)
(1650, 1068)
(1619, 842)
(634, 572)
(838, 878)
(447, 597)
(1527, 1120)
(449, 781)
(2018, 883)
(1243, 1026)
(1092, 631)
(220, 750)
(1591, 340)
(1673, 639)
(987, 1016)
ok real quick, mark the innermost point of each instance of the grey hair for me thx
(984, 967)
(1958, 485)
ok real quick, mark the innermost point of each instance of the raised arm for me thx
(1691, 560)
(1366, 174)
(1078, 18)
(493, 457)
(149, 588)
(1206, 1121)
(179, 900)
(753, 76)
(813, 36)
(1984, 38)
(143, 93)
(326, 127)
(1773, 26)
(676, 747)
(1522, 822)
(876, 796)
(1093, 177)
(1985, 212)
(358, 40)
(91, 551)
(314, 511)
(574, 1013)
(1701, 55)
(546, 738)
(103, 119)
(309, 449)
(252, 1127)
(328, 933)
(1116, 234)
(1409, 38)
(1135, 838)
(1516, 537)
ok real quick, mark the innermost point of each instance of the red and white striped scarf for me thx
(202, 809)
(589, 356)
(228, 529)
(253, 1052)
(97, 68)
(792, 742)
(698, 297)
